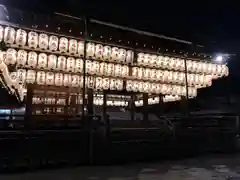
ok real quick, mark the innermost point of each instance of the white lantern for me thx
(1, 33)
(31, 75)
(9, 35)
(89, 66)
(194, 66)
(135, 86)
(114, 54)
(99, 83)
(99, 51)
(110, 70)
(199, 67)
(21, 76)
(122, 55)
(32, 59)
(107, 52)
(73, 46)
(105, 83)
(78, 65)
(81, 48)
(140, 73)
(209, 69)
(53, 43)
(58, 79)
(103, 68)
(189, 65)
(153, 74)
(119, 84)
(140, 86)
(32, 40)
(42, 60)
(70, 64)
(129, 57)
(63, 45)
(21, 57)
(140, 58)
(13, 76)
(118, 70)
(160, 60)
(129, 85)
(135, 72)
(75, 81)
(96, 67)
(146, 87)
(41, 77)
(146, 73)
(21, 37)
(147, 58)
(170, 77)
(172, 63)
(43, 41)
(52, 62)
(90, 82)
(81, 81)
(153, 61)
(11, 57)
(125, 71)
(165, 63)
(112, 84)
(225, 70)
(61, 63)
(90, 50)
(50, 78)
(67, 80)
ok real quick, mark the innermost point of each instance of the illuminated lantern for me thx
(182, 64)
(41, 77)
(42, 60)
(165, 63)
(105, 83)
(75, 80)
(1, 33)
(49, 78)
(43, 41)
(61, 63)
(110, 69)
(209, 68)
(140, 58)
(122, 55)
(67, 80)
(9, 35)
(63, 45)
(89, 66)
(147, 58)
(99, 84)
(154, 74)
(107, 53)
(219, 70)
(31, 75)
(146, 87)
(81, 81)
(159, 61)
(32, 59)
(172, 63)
(96, 67)
(103, 68)
(135, 72)
(189, 65)
(81, 48)
(112, 84)
(129, 57)
(140, 86)
(170, 77)
(52, 62)
(70, 64)
(140, 73)
(58, 79)
(13, 76)
(129, 85)
(99, 51)
(225, 70)
(21, 75)
(73, 46)
(90, 50)
(21, 57)
(32, 40)
(153, 61)
(125, 71)
(11, 56)
(119, 84)
(146, 73)
(190, 79)
(114, 53)
(21, 37)
(194, 66)
(53, 43)
(199, 67)
(135, 86)
(78, 65)
(178, 64)
(118, 70)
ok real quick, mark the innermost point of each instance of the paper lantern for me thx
(52, 62)
(99, 51)
(130, 56)
(209, 68)
(135, 72)
(99, 83)
(146, 87)
(103, 68)
(153, 74)
(225, 70)
(135, 86)
(63, 45)
(43, 41)
(21, 37)
(125, 71)
(110, 69)
(90, 50)
(189, 65)
(96, 67)
(204, 67)
(107, 52)
(165, 63)
(89, 66)
(119, 84)
(105, 83)
(73, 46)
(75, 81)
(118, 70)
(11, 56)
(13, 76)
(61, 63)
(199, 67)
(170, 77)
(67, 80)
(41, 78)
(1, 33)
(114, 54)
(53, 43)
(122, 55)
(50, 78)
(32, 59)
(32, 40)
(140, 58)
(21, 57)
(81, 48)
(129, 85)
(194, 66)
(31, 76)
(81, 81)
(78, 66)
(58, 79)
(147, 58)
(146, 73)
(112, 84)
(21, 75)
(90, 82)
(42, 60)
(70, 64)
(9, 35)
(172, 63)
(153, 60)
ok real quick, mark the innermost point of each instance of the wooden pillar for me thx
(145, 107)
(28, 108)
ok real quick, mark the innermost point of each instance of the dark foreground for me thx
(203, 168)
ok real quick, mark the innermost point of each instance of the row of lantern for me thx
(146, 87)
(156, 100)
(99, 102)
(177, 64)
(171, 76)
(64, 45)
